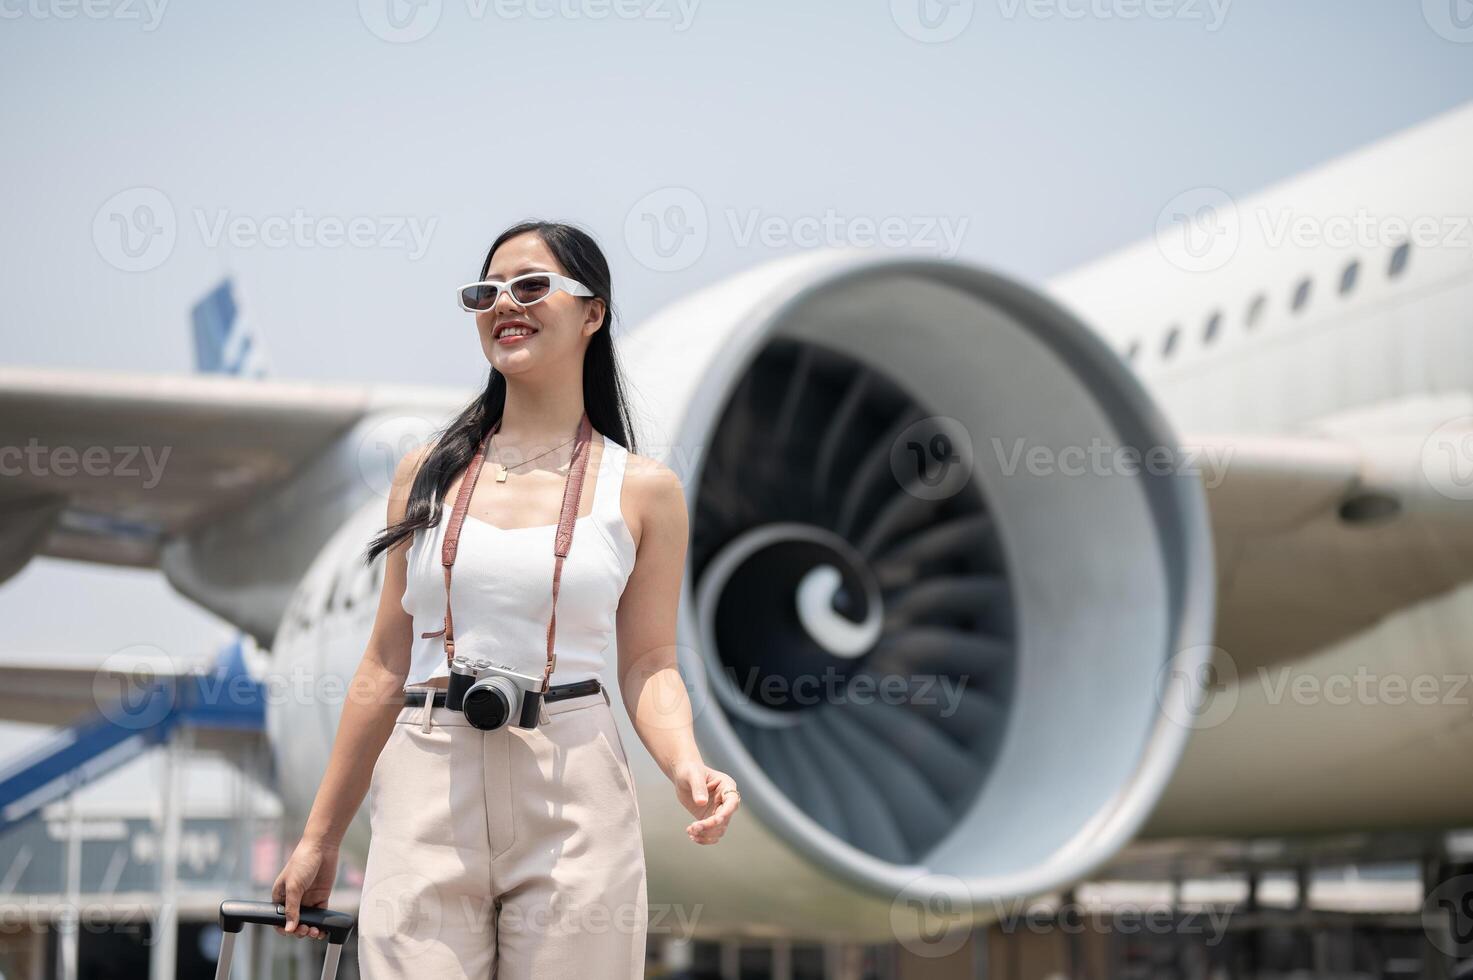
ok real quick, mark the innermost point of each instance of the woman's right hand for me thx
(306, 880)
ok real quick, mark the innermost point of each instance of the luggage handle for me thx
(235, 913)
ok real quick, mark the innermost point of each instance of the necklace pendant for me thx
(501, 472)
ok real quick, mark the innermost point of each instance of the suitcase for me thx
(235, 913)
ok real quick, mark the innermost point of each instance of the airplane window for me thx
(1209, 332)
(1169, 344)
(1301, 294)
(1255, 309)
(1399, 259)
(1347, 278)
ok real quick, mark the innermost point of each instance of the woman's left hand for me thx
(710, 795)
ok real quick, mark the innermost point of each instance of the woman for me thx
(517, 849)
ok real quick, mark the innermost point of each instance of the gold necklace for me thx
(502, 470)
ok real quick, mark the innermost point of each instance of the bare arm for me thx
(374, 700)
(649, 678)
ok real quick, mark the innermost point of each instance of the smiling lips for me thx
(513, 332)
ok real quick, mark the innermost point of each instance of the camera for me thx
(491, 695)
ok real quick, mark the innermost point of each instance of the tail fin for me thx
(224, 341)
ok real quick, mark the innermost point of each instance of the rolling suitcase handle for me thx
(235, 913)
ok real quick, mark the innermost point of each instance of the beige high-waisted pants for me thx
(513, 854)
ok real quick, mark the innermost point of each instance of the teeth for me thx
(516, 332)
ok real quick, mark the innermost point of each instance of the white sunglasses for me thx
(526, 289)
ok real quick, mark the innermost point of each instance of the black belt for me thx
(556, 692)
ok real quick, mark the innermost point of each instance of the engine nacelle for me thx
(1057, 596)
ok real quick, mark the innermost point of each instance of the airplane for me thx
(1088, 524)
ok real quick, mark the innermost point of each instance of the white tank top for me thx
(502, 586)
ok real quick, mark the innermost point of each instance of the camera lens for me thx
(487, 704)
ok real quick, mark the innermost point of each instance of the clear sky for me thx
(1044, 133)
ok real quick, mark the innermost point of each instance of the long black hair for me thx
(603, 386)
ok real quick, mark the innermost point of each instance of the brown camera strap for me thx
(562, 543)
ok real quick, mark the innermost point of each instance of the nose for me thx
(504, 296)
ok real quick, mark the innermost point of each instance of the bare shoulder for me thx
(655, 497)
(404, 473)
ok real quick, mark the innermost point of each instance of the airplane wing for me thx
(54, 688)
(1320, 534)
(106, 467)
